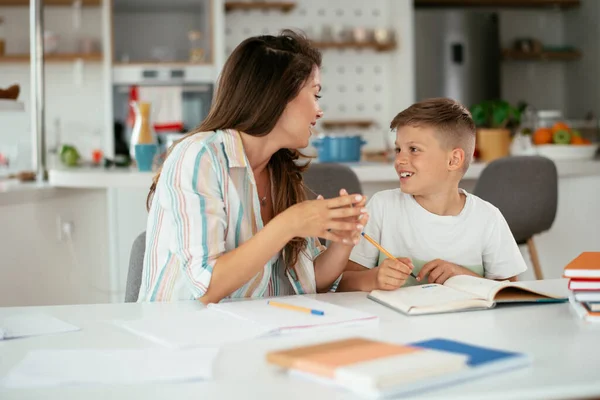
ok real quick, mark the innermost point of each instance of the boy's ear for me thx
(456, 160)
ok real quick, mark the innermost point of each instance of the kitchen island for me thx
(576, 228)
(107, 210)
(374, 176)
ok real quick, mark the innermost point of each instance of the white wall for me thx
(403, 76)
(582, 89)
(37, 268)
(541, 84)
(357, 84)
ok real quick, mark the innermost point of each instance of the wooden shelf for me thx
(66, 57)
(25, 3)
(498, 3)
(155, 64)
(516, 55)
(356, 45)
(356, 123)
(284, 6)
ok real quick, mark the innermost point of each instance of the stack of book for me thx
(584, 282)
(374, 368)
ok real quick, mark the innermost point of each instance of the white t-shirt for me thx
(478, 238)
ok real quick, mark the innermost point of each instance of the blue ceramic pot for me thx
(339, 148)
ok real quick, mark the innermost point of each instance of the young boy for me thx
(434, 228)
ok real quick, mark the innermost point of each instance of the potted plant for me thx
(494, 120)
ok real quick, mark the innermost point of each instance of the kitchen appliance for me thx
(338, 148)
(457, 55)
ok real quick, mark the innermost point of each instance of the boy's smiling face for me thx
(421, 161)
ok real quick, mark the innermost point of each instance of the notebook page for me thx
(110, 366)
(429, 297)
(479, 287)
(205, 328)
(557, 289)
(17, 326)
(280, 319)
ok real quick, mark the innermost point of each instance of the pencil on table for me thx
(384, 251)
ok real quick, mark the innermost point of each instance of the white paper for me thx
(205, 328)
(281, 319)
(110, 366)
(17, 326)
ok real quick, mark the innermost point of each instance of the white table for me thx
(565, 351)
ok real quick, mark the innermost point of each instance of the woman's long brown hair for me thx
(260, 77)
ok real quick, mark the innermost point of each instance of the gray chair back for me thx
(328, 178)
(136, 264)
(525, 190)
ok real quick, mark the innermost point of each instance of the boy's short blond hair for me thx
(451, 121)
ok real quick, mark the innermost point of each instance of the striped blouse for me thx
(206, 204)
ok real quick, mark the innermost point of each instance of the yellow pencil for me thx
(384, 251)
(295, 308)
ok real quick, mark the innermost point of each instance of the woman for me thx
(228, 215)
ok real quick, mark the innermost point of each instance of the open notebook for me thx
(464, 292)
(236, 321)
(280, 320)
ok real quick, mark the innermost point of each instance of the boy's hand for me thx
(439, 271)
(392, 273)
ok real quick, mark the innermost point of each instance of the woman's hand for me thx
(334, 219)
(362, 219)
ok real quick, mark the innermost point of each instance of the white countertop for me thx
(564, 351)
(367, 172)
(11, 105)
(15, 192)
(98, 177)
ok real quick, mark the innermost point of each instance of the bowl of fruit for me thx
(562, 142)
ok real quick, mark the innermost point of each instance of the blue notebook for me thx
(478, 356)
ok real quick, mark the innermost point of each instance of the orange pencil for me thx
(384, 251)
(295, 308)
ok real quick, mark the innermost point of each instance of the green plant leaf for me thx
(495, 114)
(479, 115)
(500, 114)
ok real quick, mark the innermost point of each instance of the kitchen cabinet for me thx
(161, 42)
(69, 3)
(166, 32)
(498, 3)
(284, 6)
(53, 58)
